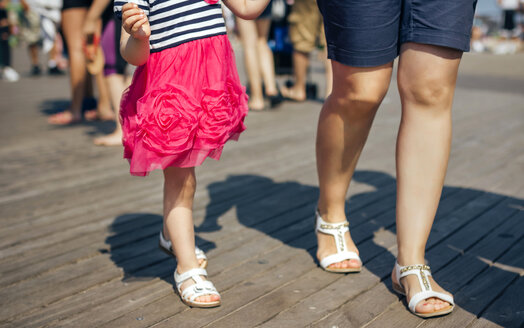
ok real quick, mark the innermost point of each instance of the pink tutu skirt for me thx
(183, 105)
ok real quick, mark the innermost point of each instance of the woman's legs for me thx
(116, 84)
(179, 192)
(72, 23)
(248, 35)
(426, 81)
(103, 108)
(343, 127)
(266, 63)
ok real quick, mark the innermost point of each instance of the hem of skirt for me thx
(189, 158)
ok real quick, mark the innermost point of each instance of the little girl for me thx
(184, 104)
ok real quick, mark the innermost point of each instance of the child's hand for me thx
(135, 21)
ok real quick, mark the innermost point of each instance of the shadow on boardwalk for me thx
(473, 230)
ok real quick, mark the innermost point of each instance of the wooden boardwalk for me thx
(78, 235)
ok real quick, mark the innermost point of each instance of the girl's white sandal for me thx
(337, 230)
(199, 288)
(165, 246)
(422, 272)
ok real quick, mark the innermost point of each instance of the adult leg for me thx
(103, 109)
(266, 63)
(248, 36)
(300, 64)
(344, 124)
(179, 192)
(426, 81)
(329, 73)
(34, 58)
(116, 84)
(72, 23)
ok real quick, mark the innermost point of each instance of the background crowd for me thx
(81, 37)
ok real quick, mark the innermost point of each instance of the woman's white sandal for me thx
(166, 247)
(199, 288)
(337, 230)
(422, 272)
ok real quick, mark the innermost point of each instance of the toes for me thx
(353, 263)
(425, 307)
(346, 264)
(431, 305)
(208, 298)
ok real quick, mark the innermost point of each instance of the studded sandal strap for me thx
(337, 230)
(422, 272)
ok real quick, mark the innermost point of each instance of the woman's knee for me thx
(430, 92)
(359, 91)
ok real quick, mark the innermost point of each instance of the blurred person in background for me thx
(509, 12)
(306, 31)
(74, 13)
(39, 26)
(6, 29)
(114, 66)
(258, 60)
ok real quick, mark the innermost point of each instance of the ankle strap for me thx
(337, 230)
(422, 271)
(190, 274)
(330, 228)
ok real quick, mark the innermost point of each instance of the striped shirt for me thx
(174, 22)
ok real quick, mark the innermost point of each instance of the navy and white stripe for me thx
(174, 22)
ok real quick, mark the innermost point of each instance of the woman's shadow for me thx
(285, 211)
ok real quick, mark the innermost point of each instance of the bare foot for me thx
(293, 94)
(113, 139)
(256, 106)
(326, 247)
(428, 305)
(64, 118)
(99, 115)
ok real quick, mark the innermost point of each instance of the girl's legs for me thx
(343, 127)
(426, 81)
(266, 62)
(179, 192)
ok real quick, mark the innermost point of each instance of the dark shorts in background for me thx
(367, 33)
(68, 4)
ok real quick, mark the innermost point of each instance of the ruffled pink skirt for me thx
(183, 105)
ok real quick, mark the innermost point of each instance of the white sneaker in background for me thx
(10, 75)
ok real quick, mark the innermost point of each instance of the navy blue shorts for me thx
(367, 33)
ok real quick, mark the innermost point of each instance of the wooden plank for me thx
(455, 275)
(246, 252)
(478, 294)
(236, 257)
(269, 297)
(506, 311)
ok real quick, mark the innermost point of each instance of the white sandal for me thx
(422, 271)
(165, 246)
(199, 288)
(337, 230)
